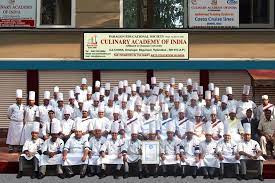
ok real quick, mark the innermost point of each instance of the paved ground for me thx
(11, 178)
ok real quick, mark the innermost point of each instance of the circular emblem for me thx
(150, 146)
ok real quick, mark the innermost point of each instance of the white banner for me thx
(17, 13)
(213, 13)
(135, 46)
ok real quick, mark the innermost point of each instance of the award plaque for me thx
(150, 152)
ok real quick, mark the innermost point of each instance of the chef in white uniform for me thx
(52, 153)
(208, 154)
(76, 152)
(222, 111)
(83, 89)
(146, 121)
(46, 130)
(206, 110)
(216, 98)
(231, 101)
(189, 151)
(227, 152)
(169, 151)
(250, 151)
(164, 122)
(198, 129)
(110, 107)
(29, 117)
(111, 152)
(265, 105)
(93, 111)
(123, 106)
(175, 109)
(53, 101)
(67, 125)
(42, 115)
(77, 111)
(245, 104)
(217, 125)
(73, 104)
(190, 109)
(16, 116)
(181, 122)
(201, 101)
(59, 109)
(95, 144)
(131, 152)
(89, 100)
(31, 152)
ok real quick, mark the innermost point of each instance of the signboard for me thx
(136, 46)
(213, 13)
(17, 13)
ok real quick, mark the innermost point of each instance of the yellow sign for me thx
(153, 46)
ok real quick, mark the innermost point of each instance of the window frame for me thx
(73, 17)
(270, 25)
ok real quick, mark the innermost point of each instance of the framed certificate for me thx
(150, 152)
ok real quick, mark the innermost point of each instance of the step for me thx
(3, 142)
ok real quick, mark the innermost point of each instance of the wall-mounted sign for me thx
(17, 13)
(213, 13)
(164, 46)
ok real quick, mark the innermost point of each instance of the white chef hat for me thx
(217, 91)
(224, 99)
(142, 89)
(31, 95)
(200, 90)
(56, 89)
(85, 107)
(107, 86)
(195, 86)
(208, 128)
(124, 97)
(134, 129)
(89, 90)
(120, 84)
(125, 83)
(102, 91)
(101, 107)
(115, 90)
(198, 111)
(71, 94)
(167, 87)
(176, 97)
(56, 128)
(232, 109)
(111, 96)
(19, 93)
(265, 97)
(190, 126)
(172, 81)
(84, 81)
(96, 96)
(211, 86)
(128, 90)
(78, 124)
(60, 97)
(152, 128)
(147, 109)
(138, 101)
(116, 109)
(67, 110)
(171, 127)
(161, 85)
(247, 128)
(194, 96)
(213, 109)
(180, 86)
(97, 84)
(171, 91)
(130, 106)
(147, 87)
(134, 87)
(98, 126)
(138, 83)
(189, 82)
(165, 108)
(184, 90)
(35, 127)
(80, 99)
(47, 95)
(246, 89)
(77, 89)
(229, 90)
(182, 108)
(153, 80)
(114, 127)
(226, 128)
(207, 95)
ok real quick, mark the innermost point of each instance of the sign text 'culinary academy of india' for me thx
(153, 46)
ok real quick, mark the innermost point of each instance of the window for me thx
(56, 13)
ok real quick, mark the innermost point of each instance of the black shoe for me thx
(220, 177)
(34, 175)
(125, 175)
(61, 176)
(165, 174)
(183, 176)
(244, 177)
(194, 176)
(260, 177)
(82, 175)
(238, 177)
(205, 177)
(156, 175)
(102, 174)
(10, 150)
(19, 175)
(140, 175)
(211, 176)
(70, 175)
(91, 174)
(116, 174)
(146, 175)
(40, 176)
